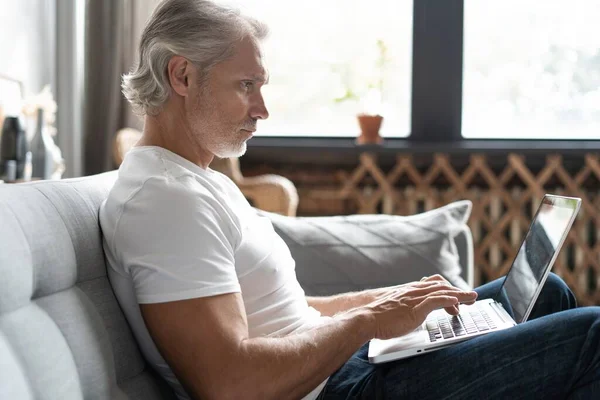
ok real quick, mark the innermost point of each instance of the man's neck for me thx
(170, 134)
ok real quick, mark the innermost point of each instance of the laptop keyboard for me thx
(445, 326)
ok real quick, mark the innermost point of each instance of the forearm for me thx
(331, 305)
(292, 366)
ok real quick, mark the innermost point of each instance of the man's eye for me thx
(248, 84)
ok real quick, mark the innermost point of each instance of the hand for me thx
(406, 307)
(453, 310)
(370, 295)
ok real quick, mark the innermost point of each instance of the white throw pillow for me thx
(348, 253)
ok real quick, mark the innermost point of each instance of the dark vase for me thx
(13, 146)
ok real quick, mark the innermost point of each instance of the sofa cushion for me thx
(62, 332)
(340, 254)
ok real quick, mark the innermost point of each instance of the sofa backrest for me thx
(62, 332)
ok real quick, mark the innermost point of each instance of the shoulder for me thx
(178, 208)
(181, 200)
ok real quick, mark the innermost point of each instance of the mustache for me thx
(249, 126)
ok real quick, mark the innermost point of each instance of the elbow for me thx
(234, 380)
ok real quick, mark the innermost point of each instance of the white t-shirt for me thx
(173, 231)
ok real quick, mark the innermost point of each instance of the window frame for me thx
(436, 100)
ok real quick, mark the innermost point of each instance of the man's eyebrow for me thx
(264, 79)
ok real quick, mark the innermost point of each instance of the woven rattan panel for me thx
(504, 200)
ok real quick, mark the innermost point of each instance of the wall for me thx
(27, 42)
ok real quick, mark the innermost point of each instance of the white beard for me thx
(221, 144)
(224, 150)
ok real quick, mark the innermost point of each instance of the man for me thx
(210, 290)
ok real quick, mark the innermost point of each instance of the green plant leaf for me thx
(349, 95)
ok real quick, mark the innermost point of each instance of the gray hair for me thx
(199, 30)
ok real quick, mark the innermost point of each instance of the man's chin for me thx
(232, 152)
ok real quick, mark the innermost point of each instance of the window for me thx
(328, 59)
(531, 69)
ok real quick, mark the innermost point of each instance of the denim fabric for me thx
(555, 354)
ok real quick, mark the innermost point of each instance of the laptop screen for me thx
(529, 270)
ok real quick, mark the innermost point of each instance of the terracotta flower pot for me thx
(369, 129)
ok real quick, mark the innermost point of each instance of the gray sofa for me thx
(62, 333)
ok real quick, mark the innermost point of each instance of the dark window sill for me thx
(322, 150)
(345, 144)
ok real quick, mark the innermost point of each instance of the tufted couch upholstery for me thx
(62, 332)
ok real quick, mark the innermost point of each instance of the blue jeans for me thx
(554, 355)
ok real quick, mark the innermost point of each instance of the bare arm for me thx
(332, 305)
(206, 342)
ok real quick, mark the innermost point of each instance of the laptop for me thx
(520, 290)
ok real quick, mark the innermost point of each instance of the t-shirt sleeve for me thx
(176, 242)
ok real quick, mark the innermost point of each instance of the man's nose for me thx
(259, 109)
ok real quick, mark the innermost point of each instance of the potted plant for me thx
(367, 92)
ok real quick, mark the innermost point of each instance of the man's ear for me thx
(179, 71)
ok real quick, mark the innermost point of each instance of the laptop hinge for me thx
(504, 316)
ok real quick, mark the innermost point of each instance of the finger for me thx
(430, 283)
(433, 280)
(414, 288)
(433, 303)
(453, 310)
(459, 297)
(436, 277)
(443, 289)
(429, 289)
(463, 297)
